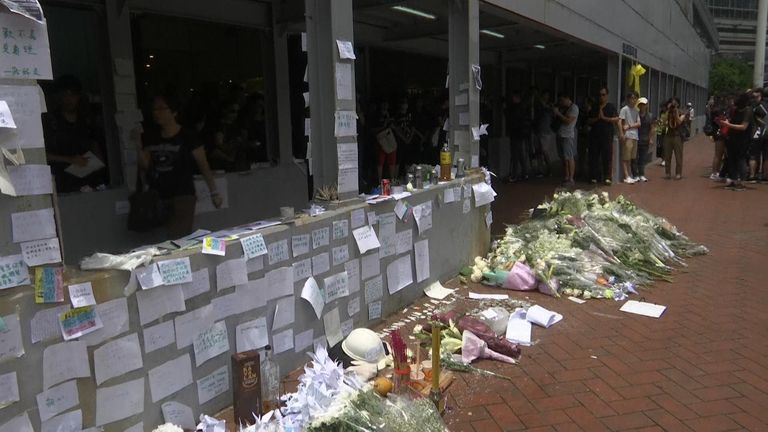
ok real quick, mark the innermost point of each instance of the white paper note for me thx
(11, 345)
(387, 235)
(448, 196)
(421, 257)
(212, 385)
(117, 357)
(401, 208)
(158, 302)
(346, 51)
(344, 89)
(191, 323)
(24, 102)
(302, 269)
(170, 377)
(346, 124)
(336, 287)
(320, 237)
(210, 343)
(57, 399)
(282, 341)
(303, 340)
(374, 310)
(13, 272)
(477, 296)
(347, 326)
(519, 329)
(643, 308)
(19, 423)
(45, 323)
(300, 244)
(252, 335)
(179, 415)
(33, 225)
(31, 179)
(320, 264)
(253, 246)
(423, 215)
(353, 307)
(9, 389)
(285, 312)
(542, 317)
(81, 295)
(357, 218)
(311, 293)
(114, 317)
(352, 267)
(64, 361)
(484, 194)
(340, 229)
(175, 271)
(347, 155)
(67, 422)
(120, 401)
(340, 254)
(366, 239)
(399, 274)
(371, 266)
(255, 264)
(404, 242)
(253, 295)
(6, 118)
(280, 282)
(158, 336)
(466, 206)
(332, 324)
(278, 251)
(230, 273)
(437, 291)
(374, 289)
(201, 284)
(226, 306)
(149, 276)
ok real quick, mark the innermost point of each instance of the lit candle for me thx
(435, 357)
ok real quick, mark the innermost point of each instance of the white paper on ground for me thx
(340, 229)
(65, 361)
(191, 323)
(519, 328)
(39, 252)
(321, 263)
(170, 377)
(477, 296)
(282, 341)
(643, 308)
(120, 401)
(399, 274)
(175, 271)
(303, 340)
(484, 194)
(225, 306)
(278, 251)
(158, 302)
(352, 267)
(117, 357)
(253, 246)
(332, 324)
(542, 317)
(178, 414)
(421, 258)
(357, 218)
(149, 276)
(340, 254)
(158, 336)
(201, 283)
(213, 385)
(300, 244)
(436, 290)
(33, 225)
(45, 324)
(366, 239)
(335, 287)
(81, 295)
(374, 289)
(19, 423)
(253, 295)
(210, 343)
(576, 300)
(68, 422)
(285, 312)
(252, 335)
(114, 317)
(374, 310)
(387, 234)
(9, 389)
(371, 266)
(57, 399)
(231, 273)
(311, 293)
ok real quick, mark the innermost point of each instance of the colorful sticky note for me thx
(214, 246)
(49, 285)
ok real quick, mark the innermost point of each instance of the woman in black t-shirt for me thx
(167, 162)
(737, 141)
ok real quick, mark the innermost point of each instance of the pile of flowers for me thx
(587, 245)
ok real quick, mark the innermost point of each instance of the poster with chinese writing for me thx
(49, 286)
(24, 50)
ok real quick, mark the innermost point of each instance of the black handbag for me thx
(148, 210)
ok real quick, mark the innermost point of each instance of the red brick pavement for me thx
(703, 366)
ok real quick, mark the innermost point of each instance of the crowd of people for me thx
(737, 123)
(541, 132)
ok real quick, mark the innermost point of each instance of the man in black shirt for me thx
(519, 131)
(603, 118)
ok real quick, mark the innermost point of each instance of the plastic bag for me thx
(128, 261)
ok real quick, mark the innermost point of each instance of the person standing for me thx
(567, 113)
(646, 138)
(737, 141)
(519, 132)
(630, 123)
(757, 139)
(603, 119)
(673, 139)
(167, 157)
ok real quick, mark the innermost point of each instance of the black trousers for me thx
(736, 159)
(600, 157)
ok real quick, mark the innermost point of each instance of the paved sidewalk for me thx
(703, 366)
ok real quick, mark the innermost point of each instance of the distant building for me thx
(736, 22)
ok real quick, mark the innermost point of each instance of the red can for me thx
(385, 187)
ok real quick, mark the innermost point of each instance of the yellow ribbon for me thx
(635, 72)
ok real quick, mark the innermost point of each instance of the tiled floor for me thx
(703, 366)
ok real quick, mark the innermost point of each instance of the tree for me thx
(728, 76)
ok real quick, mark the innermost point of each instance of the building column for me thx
(329, 21)
(280, 92)
(614, 79)
(759, 68)
(464, 94)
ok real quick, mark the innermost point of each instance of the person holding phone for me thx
(673, 139)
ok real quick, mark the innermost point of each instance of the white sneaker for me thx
(663, 163)
(714, 176)
(630, 180)
(643, 179)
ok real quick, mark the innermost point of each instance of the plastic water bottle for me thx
(270, 382)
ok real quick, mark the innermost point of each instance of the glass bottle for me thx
(446, 162)
(270, 382)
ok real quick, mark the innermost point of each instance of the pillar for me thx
(279, 91)
(464, 95)
(329, 21)
(759, 68)
(614, 80)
